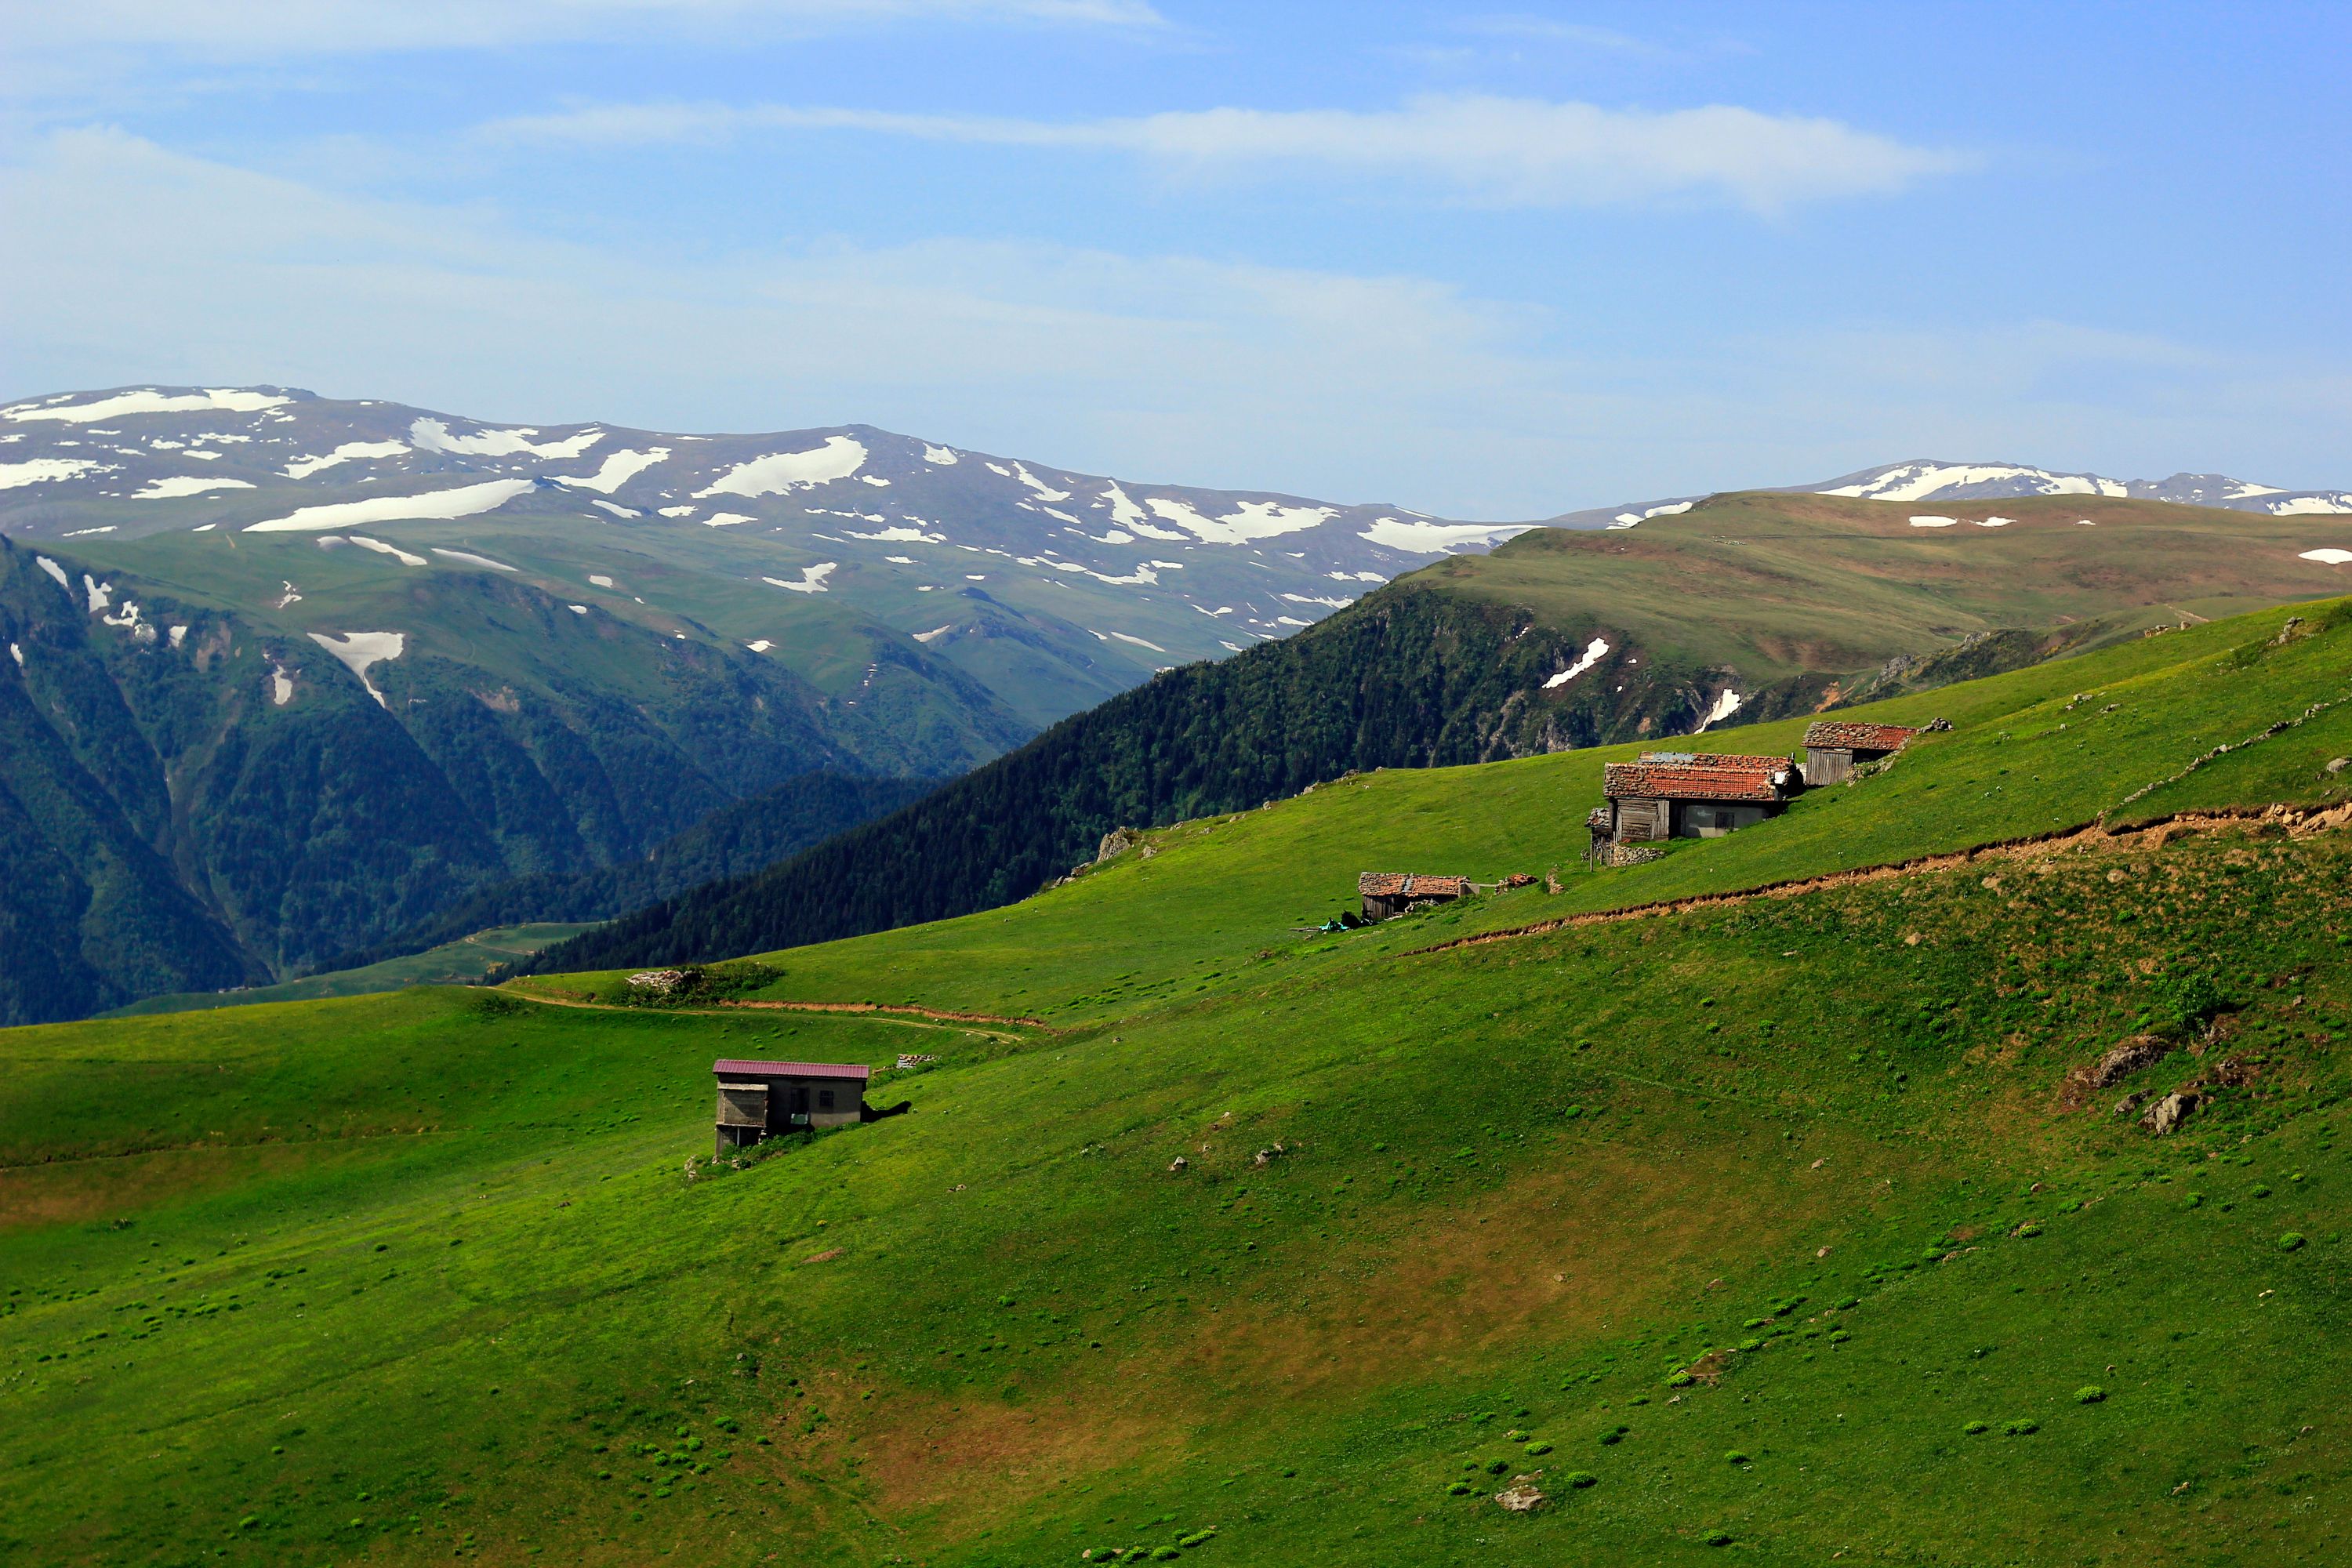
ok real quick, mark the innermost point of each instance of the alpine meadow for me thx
(1781, 1194)
(1076, 784)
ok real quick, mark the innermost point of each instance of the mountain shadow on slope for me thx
(1411, 675)
(732, 842)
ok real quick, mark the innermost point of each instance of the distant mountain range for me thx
(1927, 480)
(289, 678)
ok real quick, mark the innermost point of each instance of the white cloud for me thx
(1511, 151)
(1394, 389)
(256, 28)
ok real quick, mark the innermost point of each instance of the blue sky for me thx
(1478, 261)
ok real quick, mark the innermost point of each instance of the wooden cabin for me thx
(758, 1099)
(1835, 747)
(1687, 794)
(1388, 894)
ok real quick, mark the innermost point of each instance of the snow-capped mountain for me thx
(1254, 564)
(1924, 479)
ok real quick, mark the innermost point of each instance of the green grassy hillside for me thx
(1822, 590)
(465, 961)
(1767, 1231)
(1765, 605)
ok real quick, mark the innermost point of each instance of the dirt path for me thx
(2297, 820)
(909, 1015)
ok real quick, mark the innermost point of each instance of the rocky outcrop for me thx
(2121, 1062)
(2166, 1115)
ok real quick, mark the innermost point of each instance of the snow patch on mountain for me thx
(617, 469)
(463, 500)
(1725, 705)
(358, 650)
(779, 473)
(430, 435)
(941, 456)
(46, 471)
(147, 400)
(811, 579)
(1429, 538)
(349, 452)
(188, 485)
(1663, 509)
(468, 558)
(395, 551)
(2327, 557)
(1250, 520)
(1923, 480)
(1594, 652)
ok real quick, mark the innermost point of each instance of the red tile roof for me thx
(727, 1067)
(1834, 735)
(1701, 776)
(1400, 885)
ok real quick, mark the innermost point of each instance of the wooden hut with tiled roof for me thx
(1835, 747)
(1687, 794)
(1388, 894)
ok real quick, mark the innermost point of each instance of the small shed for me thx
(1689, 795)
(1388, 894)
(759, 1099)
(1835, 747)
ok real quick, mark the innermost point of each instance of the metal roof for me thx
(729, 1067)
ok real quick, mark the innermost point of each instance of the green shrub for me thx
(1717, 1537)
(1497, 1467)
(2021, 1428)
(1539, 1450)
(1580, 1478)
(1737, 1457)
(2089, 1394)
(1614, 1434)
(1680, 1380)
(2290, 1241)
(1977, 1428)
(1459, 1489)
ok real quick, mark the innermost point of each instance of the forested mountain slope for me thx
(1789, 1228)
(193, 797)
(1759, 606)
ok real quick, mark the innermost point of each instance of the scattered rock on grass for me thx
(2122, 1061)
(1520, 1497)
(2166, 1115)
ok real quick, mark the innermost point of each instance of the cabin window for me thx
(824, 1099)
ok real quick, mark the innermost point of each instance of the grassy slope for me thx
(458, 962)
(1242, 885)
(413, 1274)
(1822, 584)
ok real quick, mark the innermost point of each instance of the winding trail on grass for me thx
(2298, 821)
(906, 1013)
